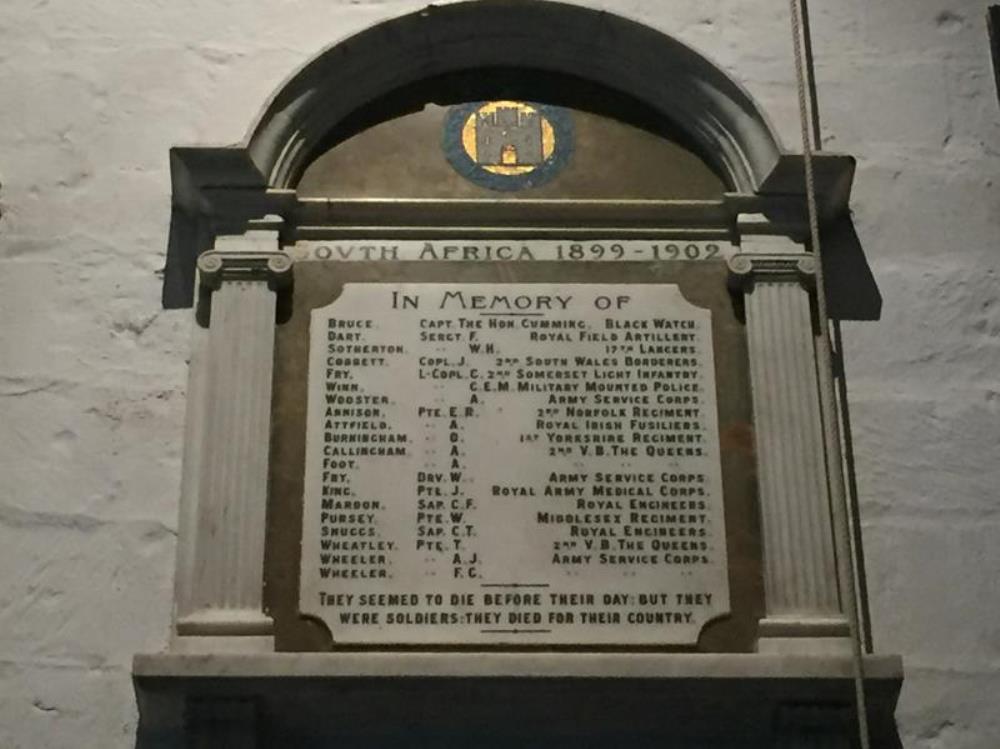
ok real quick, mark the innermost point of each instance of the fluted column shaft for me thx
(220, 566)
(803, 605)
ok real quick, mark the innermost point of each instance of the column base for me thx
(224, 631)
(232, 645)
(804, 636)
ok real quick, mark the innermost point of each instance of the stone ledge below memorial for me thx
(509, 665)
(555, 700)
(552, 700)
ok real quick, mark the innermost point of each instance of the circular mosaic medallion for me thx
(508, 145)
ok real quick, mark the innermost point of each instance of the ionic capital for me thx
(216, 267)
(746, 268)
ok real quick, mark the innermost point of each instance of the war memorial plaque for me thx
(510, 464)
(511, 396)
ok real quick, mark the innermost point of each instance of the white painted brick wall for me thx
(907, 86)
(92, 372)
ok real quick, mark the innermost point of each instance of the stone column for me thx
(221, 555)
(803, 605)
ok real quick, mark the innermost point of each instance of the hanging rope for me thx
(807, 118)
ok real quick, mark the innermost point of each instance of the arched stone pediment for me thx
(712, 110)
(373, 76)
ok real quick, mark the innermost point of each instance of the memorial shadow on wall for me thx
(852, 294)
(851, 290)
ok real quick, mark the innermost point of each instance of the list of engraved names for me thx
(513, 464)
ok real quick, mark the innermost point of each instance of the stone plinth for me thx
(514, 699)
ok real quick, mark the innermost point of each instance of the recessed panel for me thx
(512, 444)
(510, 150)
(513, 463)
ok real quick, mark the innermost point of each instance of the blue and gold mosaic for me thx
(508, 145)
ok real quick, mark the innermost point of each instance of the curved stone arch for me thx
(227, 190)
(705, 104)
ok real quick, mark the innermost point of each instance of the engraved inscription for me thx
(513, 464)
(526, 250)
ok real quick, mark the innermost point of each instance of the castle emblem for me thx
(507, 145)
